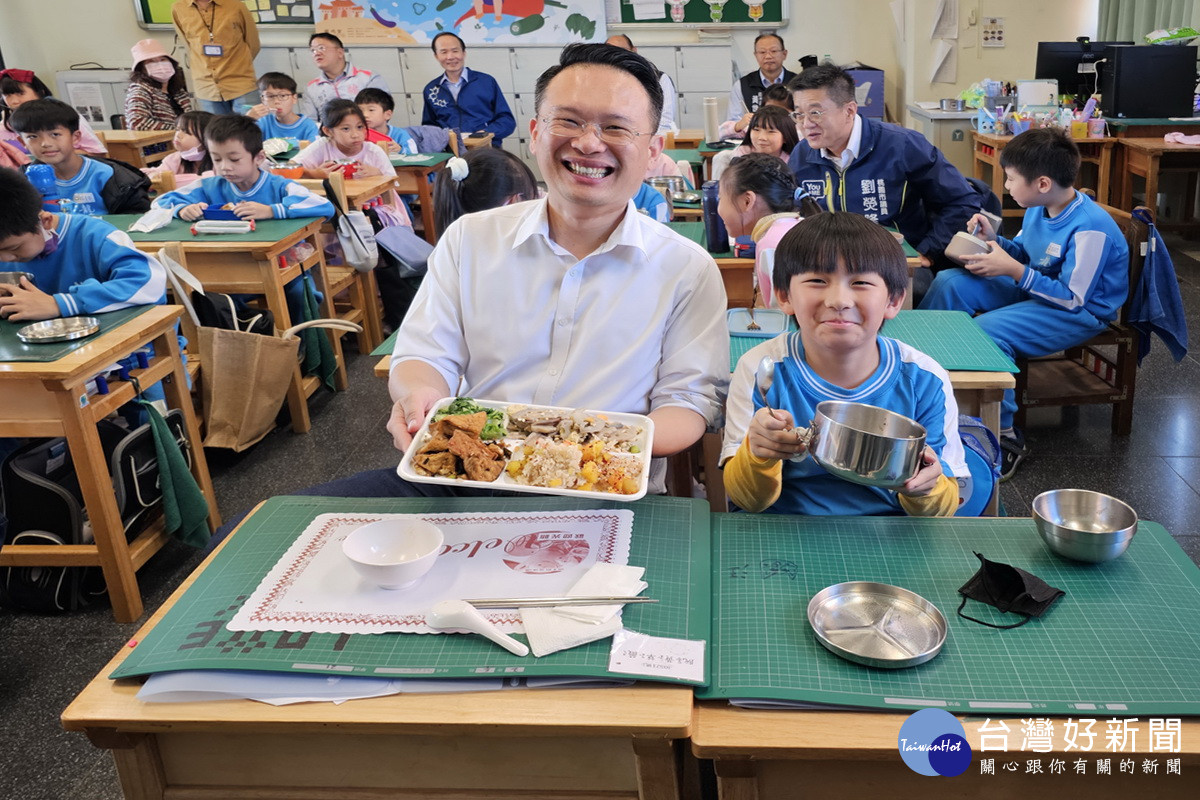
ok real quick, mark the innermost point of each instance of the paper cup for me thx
(1096, 128)
(1079, 129)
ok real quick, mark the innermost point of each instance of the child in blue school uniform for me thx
(841, 276)
(83, 184)
(276, 115)
(242, 186)
(377, 107)
(1053, 286)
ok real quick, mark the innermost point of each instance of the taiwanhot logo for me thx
(933, 742)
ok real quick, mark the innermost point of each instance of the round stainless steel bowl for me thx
(953, 104)
(865, 444)
(14, 278)
(1083, 525)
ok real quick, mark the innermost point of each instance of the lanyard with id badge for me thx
(212, 48)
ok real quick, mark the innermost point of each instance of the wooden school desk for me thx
(130, 146)
(50, 399)
(249, 264)
(762, 755)
(989, 146)
(689, 137)
(592, 744)
(412, 177)
(1148, 158)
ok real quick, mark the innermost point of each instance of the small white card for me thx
(657, 656)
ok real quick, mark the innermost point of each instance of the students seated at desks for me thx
(234, 143)
(377, 107)
(887, 173)
(276, 114)
(1059, 282)
(771, 131)
(758, 199)
(344, 139)
(80, 264)
(19, 86)
(190, 160)
(89, 184)
(841, 276)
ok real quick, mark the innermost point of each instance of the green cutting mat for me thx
(951, 338)
(670, 538)
(1125, 639)
(386, 347)
(265, 230)
(428, 161)
(688, 154)
(695, 231)
(13, 349)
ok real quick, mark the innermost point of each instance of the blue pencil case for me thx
(219, 213)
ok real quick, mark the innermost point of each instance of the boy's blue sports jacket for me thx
(899, 179)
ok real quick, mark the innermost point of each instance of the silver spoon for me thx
(459, 615)
(764, 376)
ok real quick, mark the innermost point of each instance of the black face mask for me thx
(1008, 589)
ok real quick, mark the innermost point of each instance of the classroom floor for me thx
(45, 661)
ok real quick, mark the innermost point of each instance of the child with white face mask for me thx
(190, 160)
(157, 92)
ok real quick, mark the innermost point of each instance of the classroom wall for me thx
(859, 30)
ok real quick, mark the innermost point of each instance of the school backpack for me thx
(44, 506)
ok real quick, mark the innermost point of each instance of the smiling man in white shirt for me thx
(574, 299)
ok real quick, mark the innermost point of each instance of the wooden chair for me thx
(162, 182)
(1103, 369)
(669, 140)
(354, 295)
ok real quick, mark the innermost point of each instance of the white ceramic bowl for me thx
(394, 553)
(964, 244)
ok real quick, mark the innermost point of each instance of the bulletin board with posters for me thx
(157, 13)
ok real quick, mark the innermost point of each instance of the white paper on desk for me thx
(314, 587)
(945, 62)
(277, 688)
(945, 20)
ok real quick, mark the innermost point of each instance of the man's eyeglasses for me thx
(774, 52)
(572, 129)
(815, 116)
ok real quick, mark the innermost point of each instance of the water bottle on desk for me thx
(716, 238)
(42, 178)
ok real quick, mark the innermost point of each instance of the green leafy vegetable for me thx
(496, 426)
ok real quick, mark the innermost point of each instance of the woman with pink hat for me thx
(157, 92)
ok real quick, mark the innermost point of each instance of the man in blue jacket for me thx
(467, 101)
(885, 172)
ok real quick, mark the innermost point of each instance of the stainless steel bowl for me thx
(865, 444)
(1083, 525)
(14, 278)
(672, 183)
(877, 624)
(953, 104)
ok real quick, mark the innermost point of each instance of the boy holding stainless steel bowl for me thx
(841, 276)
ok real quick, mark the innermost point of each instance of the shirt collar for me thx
(628, 232)
(348, 72)
(461, 78)
(852, 147)
(767, 82)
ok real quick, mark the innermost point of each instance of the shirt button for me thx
(562, 322)
(552, 372)
(575, 273)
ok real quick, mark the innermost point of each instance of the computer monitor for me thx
(1072, 64)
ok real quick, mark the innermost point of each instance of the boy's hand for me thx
(985, 232)
(27, 303)
(390, 147)
(994, 264)
(259, 111)
(927, 475)
(248, 209)
(193, 212)
(772, 434)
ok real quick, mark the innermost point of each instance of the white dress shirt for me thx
(637, 325)
(848, 155)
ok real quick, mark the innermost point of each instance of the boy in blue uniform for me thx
(235, 146)
(377, 107)
(841, 276)
(276, 115)
(1057, 283)
(84, 184)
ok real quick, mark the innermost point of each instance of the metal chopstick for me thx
(536, 602)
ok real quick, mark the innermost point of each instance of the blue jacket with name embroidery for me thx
(898, 179)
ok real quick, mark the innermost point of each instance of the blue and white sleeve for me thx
(133, 277)
(299, 201)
